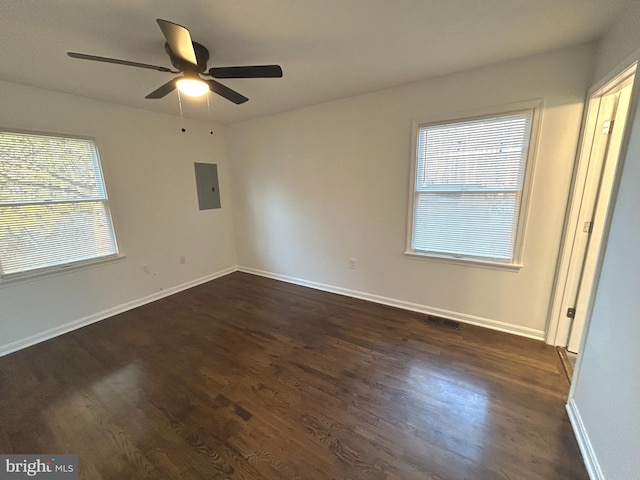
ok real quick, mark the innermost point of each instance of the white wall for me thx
(148, 167)
(317, 186)
(605, 396)
(606, 392)
(621, 41)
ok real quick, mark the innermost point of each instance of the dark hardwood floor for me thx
(250, 378)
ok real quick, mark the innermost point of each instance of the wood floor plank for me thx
(254, 379)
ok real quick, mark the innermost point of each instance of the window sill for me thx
(14, 278)
(466, 261)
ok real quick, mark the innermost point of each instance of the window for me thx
(468, 188)
(53, 203)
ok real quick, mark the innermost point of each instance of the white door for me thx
(597, 162)
(612, 116)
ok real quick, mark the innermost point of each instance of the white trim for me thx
(43, 271)
(558, 325)
(468, 261)
(537, 108)
(414, 307)
(580, 432)
(39, 273)
(633, 107)
(96, 317)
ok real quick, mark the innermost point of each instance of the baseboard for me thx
(414, 307)
(67, 327)
(579, 430)
(460, 317)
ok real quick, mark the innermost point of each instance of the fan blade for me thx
(179, 40)
(163, 90)
(251, 71)
(84, 56)
(226, 92)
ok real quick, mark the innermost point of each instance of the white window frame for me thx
(516, 263)
(73, 265)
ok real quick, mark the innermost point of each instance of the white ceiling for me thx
(328, 49)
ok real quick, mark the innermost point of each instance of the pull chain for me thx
(182, 129)
(209, 112)
(181, 117)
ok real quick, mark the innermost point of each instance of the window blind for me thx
(53, 203)
(468, 186)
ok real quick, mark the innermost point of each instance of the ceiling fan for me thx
(190, 59)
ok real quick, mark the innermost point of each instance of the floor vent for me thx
(442, 321)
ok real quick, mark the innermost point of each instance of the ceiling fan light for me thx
(192, 87)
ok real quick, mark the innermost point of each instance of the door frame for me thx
(558, 324)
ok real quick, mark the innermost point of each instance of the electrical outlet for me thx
(182, 259)
(145, 269)
(352, 263)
